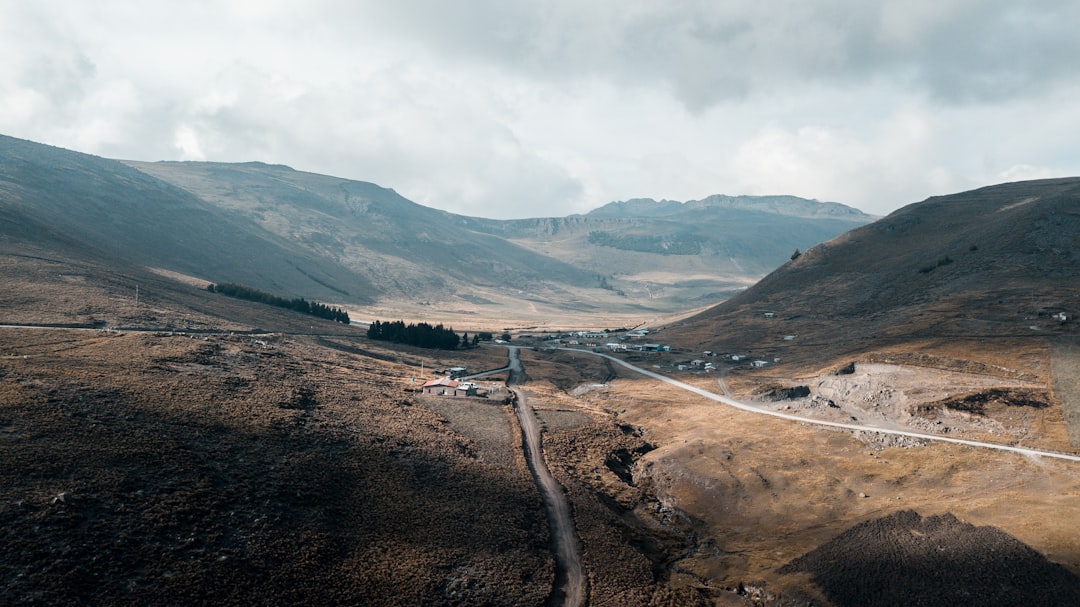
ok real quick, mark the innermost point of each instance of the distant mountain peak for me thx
(792, 206)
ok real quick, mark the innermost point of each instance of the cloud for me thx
(508, 109)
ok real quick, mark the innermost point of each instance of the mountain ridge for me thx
(297, 233)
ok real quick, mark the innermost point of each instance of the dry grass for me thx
(148, 467)
(759, 492)
(223, 468)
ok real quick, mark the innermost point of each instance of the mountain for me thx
(300, 234)
(779, 205)
(408, 251)
(996, 263)
(680, 255)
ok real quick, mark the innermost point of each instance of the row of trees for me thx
(299, 304)
(422, 335)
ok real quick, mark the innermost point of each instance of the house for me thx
(456, 371)
(444, 386)
(770, 315)
(759, 363)
(465, 389)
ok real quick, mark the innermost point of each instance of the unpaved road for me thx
(570, 585)
(809, 420)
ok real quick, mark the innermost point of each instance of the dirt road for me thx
(808, 420)
(570, 586)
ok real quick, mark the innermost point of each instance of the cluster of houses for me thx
(696, 364)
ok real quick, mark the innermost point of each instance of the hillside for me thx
(412, 252)
(706, 252)
(991, 263)
(348, 242)
(954, 314)
(97, 209)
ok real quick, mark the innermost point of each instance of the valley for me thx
(864, 415)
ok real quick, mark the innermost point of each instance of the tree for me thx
(795, 255)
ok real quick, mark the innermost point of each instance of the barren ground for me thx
(239, 469)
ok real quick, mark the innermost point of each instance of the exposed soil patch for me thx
(1066, 370)
(979, 402)
(907, 559)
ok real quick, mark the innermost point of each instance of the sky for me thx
(508, 109)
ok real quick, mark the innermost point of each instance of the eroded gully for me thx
(569, 588)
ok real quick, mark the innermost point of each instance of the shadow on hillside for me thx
(107, 499)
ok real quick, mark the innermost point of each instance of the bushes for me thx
(422, 335)
(944, 261)
(300, 304)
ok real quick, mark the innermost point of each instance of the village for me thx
(457, 381)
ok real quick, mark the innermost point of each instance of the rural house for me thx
(444, 386)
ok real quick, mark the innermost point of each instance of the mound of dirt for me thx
(908, 559)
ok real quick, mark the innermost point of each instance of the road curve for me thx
(569, 588)
(809, 420)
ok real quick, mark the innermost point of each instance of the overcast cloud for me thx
(542, 108)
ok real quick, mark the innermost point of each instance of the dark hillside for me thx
(999, 261)
(102, 209)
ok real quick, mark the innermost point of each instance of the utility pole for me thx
(136, 297)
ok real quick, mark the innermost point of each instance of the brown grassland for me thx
(205, 462)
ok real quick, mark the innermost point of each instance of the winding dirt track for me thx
(569, 589)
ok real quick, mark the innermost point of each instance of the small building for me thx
(456, 371)
(444, 386)
(770, 315)
(759, 363)
(465, 388)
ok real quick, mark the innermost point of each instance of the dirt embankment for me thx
(907, 559)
